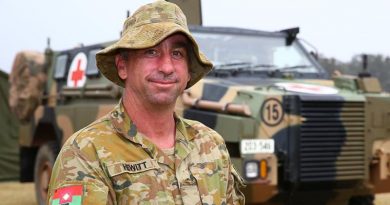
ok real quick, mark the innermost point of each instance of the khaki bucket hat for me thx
(146, 28)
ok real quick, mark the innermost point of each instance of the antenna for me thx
(364, 73)
(48, 56)
(364, 62)
(127, 16)
(48, 42)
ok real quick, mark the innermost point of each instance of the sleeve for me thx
(235, 183)
(77, 177)
(238, 183)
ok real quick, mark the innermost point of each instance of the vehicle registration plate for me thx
(254, 146)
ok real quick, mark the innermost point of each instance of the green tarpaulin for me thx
(9, 149)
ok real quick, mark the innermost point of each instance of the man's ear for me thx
(189, 77)
(121, 67)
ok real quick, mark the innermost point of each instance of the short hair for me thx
(124, 54)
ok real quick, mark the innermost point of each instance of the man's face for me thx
(157, 75)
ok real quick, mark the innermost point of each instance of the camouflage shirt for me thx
(109, 162)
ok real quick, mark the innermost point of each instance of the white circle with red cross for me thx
(308, 88)
(76, 75)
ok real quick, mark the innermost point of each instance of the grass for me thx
(382, 199)
(15, 193)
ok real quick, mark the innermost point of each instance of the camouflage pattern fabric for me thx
(115, 164)
(147, 27)
(27, 80)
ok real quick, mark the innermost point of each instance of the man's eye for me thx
(177, 54)
(151, 52)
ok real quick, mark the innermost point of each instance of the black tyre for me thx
(27, 163)
(362, 200)
(44, 163)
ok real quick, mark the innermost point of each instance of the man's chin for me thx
(163, 99)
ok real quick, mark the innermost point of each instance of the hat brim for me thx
(147, 36)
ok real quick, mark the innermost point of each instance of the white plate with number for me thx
(256, 146)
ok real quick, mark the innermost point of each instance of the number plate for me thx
(257, 146)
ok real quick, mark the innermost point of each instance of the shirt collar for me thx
(124, 126)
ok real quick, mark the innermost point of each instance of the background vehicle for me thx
(294, 135)
(9, 154)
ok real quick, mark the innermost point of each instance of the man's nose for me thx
(166, 66)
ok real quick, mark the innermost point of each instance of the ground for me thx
(15, 193)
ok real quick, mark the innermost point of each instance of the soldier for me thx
(141, 152)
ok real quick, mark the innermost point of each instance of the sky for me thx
(337, 28)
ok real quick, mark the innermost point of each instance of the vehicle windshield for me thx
(262, 53)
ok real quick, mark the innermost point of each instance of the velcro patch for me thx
(69, 195)
(132, 167)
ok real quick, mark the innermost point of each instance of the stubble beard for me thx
(163, 98)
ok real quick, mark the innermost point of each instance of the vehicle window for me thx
(91, 66)
(254, 52)
(60, 66)
(289, 57)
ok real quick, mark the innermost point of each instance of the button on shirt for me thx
(116, 164)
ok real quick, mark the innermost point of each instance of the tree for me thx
(377, 65)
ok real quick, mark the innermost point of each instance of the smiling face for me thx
(156, 75)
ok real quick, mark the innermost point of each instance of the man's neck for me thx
(156, 123)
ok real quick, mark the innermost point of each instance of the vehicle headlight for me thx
(256, 169)
(252, 169)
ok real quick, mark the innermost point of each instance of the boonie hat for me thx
(146, 28)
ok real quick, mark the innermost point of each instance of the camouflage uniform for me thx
(115, 164)
(109, 162)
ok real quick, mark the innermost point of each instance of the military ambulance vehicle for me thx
(295, 136)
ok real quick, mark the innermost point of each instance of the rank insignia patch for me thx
(69, 195)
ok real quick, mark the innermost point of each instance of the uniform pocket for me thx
(212, 181)
(141, 182)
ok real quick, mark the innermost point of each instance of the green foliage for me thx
(377, 65)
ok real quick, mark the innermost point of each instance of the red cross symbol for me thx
(78, 74)
(312, 88)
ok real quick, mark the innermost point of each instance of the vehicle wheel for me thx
(27, 162)
(362, 200)
(44, 163)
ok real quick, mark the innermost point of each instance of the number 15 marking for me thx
(272, 112)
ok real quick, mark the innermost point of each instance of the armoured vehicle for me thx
(295, 135)
(9, 154)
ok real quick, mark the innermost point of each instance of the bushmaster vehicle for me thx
(295, 136)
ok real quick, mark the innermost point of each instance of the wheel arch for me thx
(46, 129)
